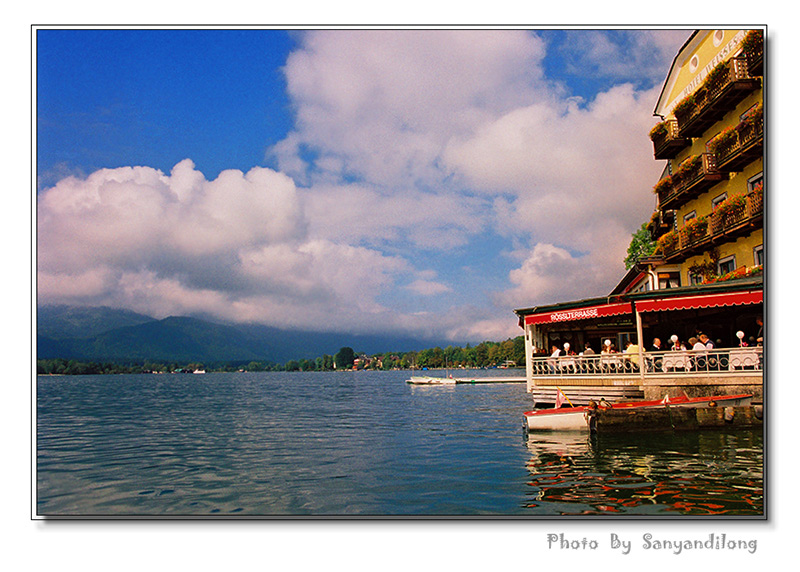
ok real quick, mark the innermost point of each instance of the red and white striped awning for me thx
(700, 301)
(585, 313)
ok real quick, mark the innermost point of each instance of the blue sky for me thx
(424, 182)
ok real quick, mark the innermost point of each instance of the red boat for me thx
(577, 418)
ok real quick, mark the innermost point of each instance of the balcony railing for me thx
(722, 361)
(693, 236)
(667, 141)
(736, 215)
(726, 85)
(741, 145)
(695, 175)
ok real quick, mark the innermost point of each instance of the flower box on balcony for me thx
(693, 176)
(668, 243)
(728, 213)
(724, 142)
(667, 140)
(694, 231)
(736, 147)
(753, 48)
(741, 272)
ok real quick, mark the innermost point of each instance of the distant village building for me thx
(706, 274)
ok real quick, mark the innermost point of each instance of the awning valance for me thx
(584, 313)
(700, 301)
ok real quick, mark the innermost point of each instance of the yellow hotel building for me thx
(709, 218)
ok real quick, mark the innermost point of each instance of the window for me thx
(758, 255)
(750, 110)
(726, 265)
(716, 201)
(689, 216)
(695, 279)
(757, 181)
(668, 280)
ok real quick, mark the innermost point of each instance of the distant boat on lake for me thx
(429, 380)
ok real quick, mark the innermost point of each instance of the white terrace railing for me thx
(687, 362)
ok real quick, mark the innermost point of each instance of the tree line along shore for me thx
(510, 352)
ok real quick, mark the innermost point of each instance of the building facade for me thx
(709, 216)
(706, 274)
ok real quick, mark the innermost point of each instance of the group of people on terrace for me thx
(698, 353)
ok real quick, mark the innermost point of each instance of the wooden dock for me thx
(677, 419)
(498, 379)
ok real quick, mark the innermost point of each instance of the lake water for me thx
(360, 444)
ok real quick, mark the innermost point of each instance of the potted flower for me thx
(687, 168)
(663, 185)
(718, 76)
(724, 142)
(685, 107)
(752, 122)
(696, 229)
(667, 243)
(732, 205)
(659, 131)
(753, 48)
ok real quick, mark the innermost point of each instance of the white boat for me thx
(577, 418)
(429, 380)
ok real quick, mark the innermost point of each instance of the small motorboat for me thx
(429, 380)
(577, 418)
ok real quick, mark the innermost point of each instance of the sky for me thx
(421, 182)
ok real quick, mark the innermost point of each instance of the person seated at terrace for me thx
(677, 345)
(698, 346)
(567, 361)
(713, 361)
(587, 361)
(654, 363)
(631, 356)
(552, 361)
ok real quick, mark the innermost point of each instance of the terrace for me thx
(723, 361)
(618, 377)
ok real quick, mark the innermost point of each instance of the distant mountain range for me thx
(109, 334)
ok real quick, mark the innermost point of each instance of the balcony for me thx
(667, 140)
(693, 177)
(725, 86)
(737, 147)
(692, 239)
(661, 223)
(736, 216)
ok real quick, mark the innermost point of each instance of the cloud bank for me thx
(410, 152)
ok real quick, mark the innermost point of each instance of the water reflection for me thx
(692, 473)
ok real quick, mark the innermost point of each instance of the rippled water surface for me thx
(362, 444)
